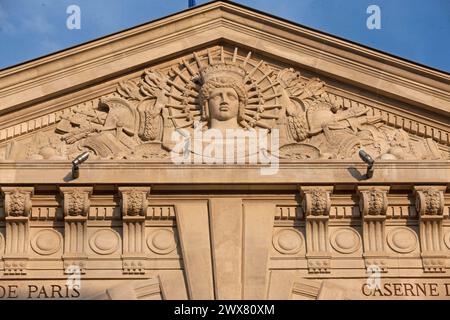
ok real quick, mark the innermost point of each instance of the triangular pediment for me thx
(126, 96)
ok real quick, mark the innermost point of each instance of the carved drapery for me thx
(316, 204)
(430, 207)
(373, 204)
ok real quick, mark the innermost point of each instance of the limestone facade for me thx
(223, 164)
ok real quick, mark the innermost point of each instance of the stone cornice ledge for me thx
(135, 172)
(343, 60)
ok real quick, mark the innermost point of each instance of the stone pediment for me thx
(130, 104)
(162, 112)
(158, 211)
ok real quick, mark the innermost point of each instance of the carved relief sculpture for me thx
(316, 205)
(17, 209)
(430, 207)
(76, 209)
(134, 205)
(221, 90)
(373, 203)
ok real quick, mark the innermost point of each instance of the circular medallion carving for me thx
(446, 239)
(46, 242)
(104, 241)
(402, 240)
(162, 241)
(288, 241)
(346, 240)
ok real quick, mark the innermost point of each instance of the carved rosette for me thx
(316, 204)
(430, 207)
(76, 209)
(134, 205)
(373, 204)
(18, 210)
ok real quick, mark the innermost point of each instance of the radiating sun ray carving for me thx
(187, 77)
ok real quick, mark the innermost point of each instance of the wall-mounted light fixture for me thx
(367, 159)
(76, 162)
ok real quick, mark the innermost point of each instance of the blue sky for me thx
(417, 30)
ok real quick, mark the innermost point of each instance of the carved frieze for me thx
(139, 119)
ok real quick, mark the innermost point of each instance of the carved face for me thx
(223, 104)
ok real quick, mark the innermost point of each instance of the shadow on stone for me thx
(357, 174)
(68, 177)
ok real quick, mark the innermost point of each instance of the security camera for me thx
(76, 162)
(370, 162)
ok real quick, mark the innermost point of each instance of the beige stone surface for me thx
(153, 217)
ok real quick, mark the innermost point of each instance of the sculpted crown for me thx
(221, 71)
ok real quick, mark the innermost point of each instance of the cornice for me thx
(148, 173)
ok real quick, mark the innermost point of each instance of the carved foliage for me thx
(17, 202)
(373, 202)
(134, 201)
(430, 206)
(76, 201)
(373, 205)
(430, 202)
(316, 201)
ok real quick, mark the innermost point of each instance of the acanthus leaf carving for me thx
(373, 201)
(316, 205)
(430, 206)
(373, 204)
(134, 205)
(430, 202)
(316, 201)
(134, 201)
(76, 200)
(17, 201)
(18, 209)
(76, 210)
